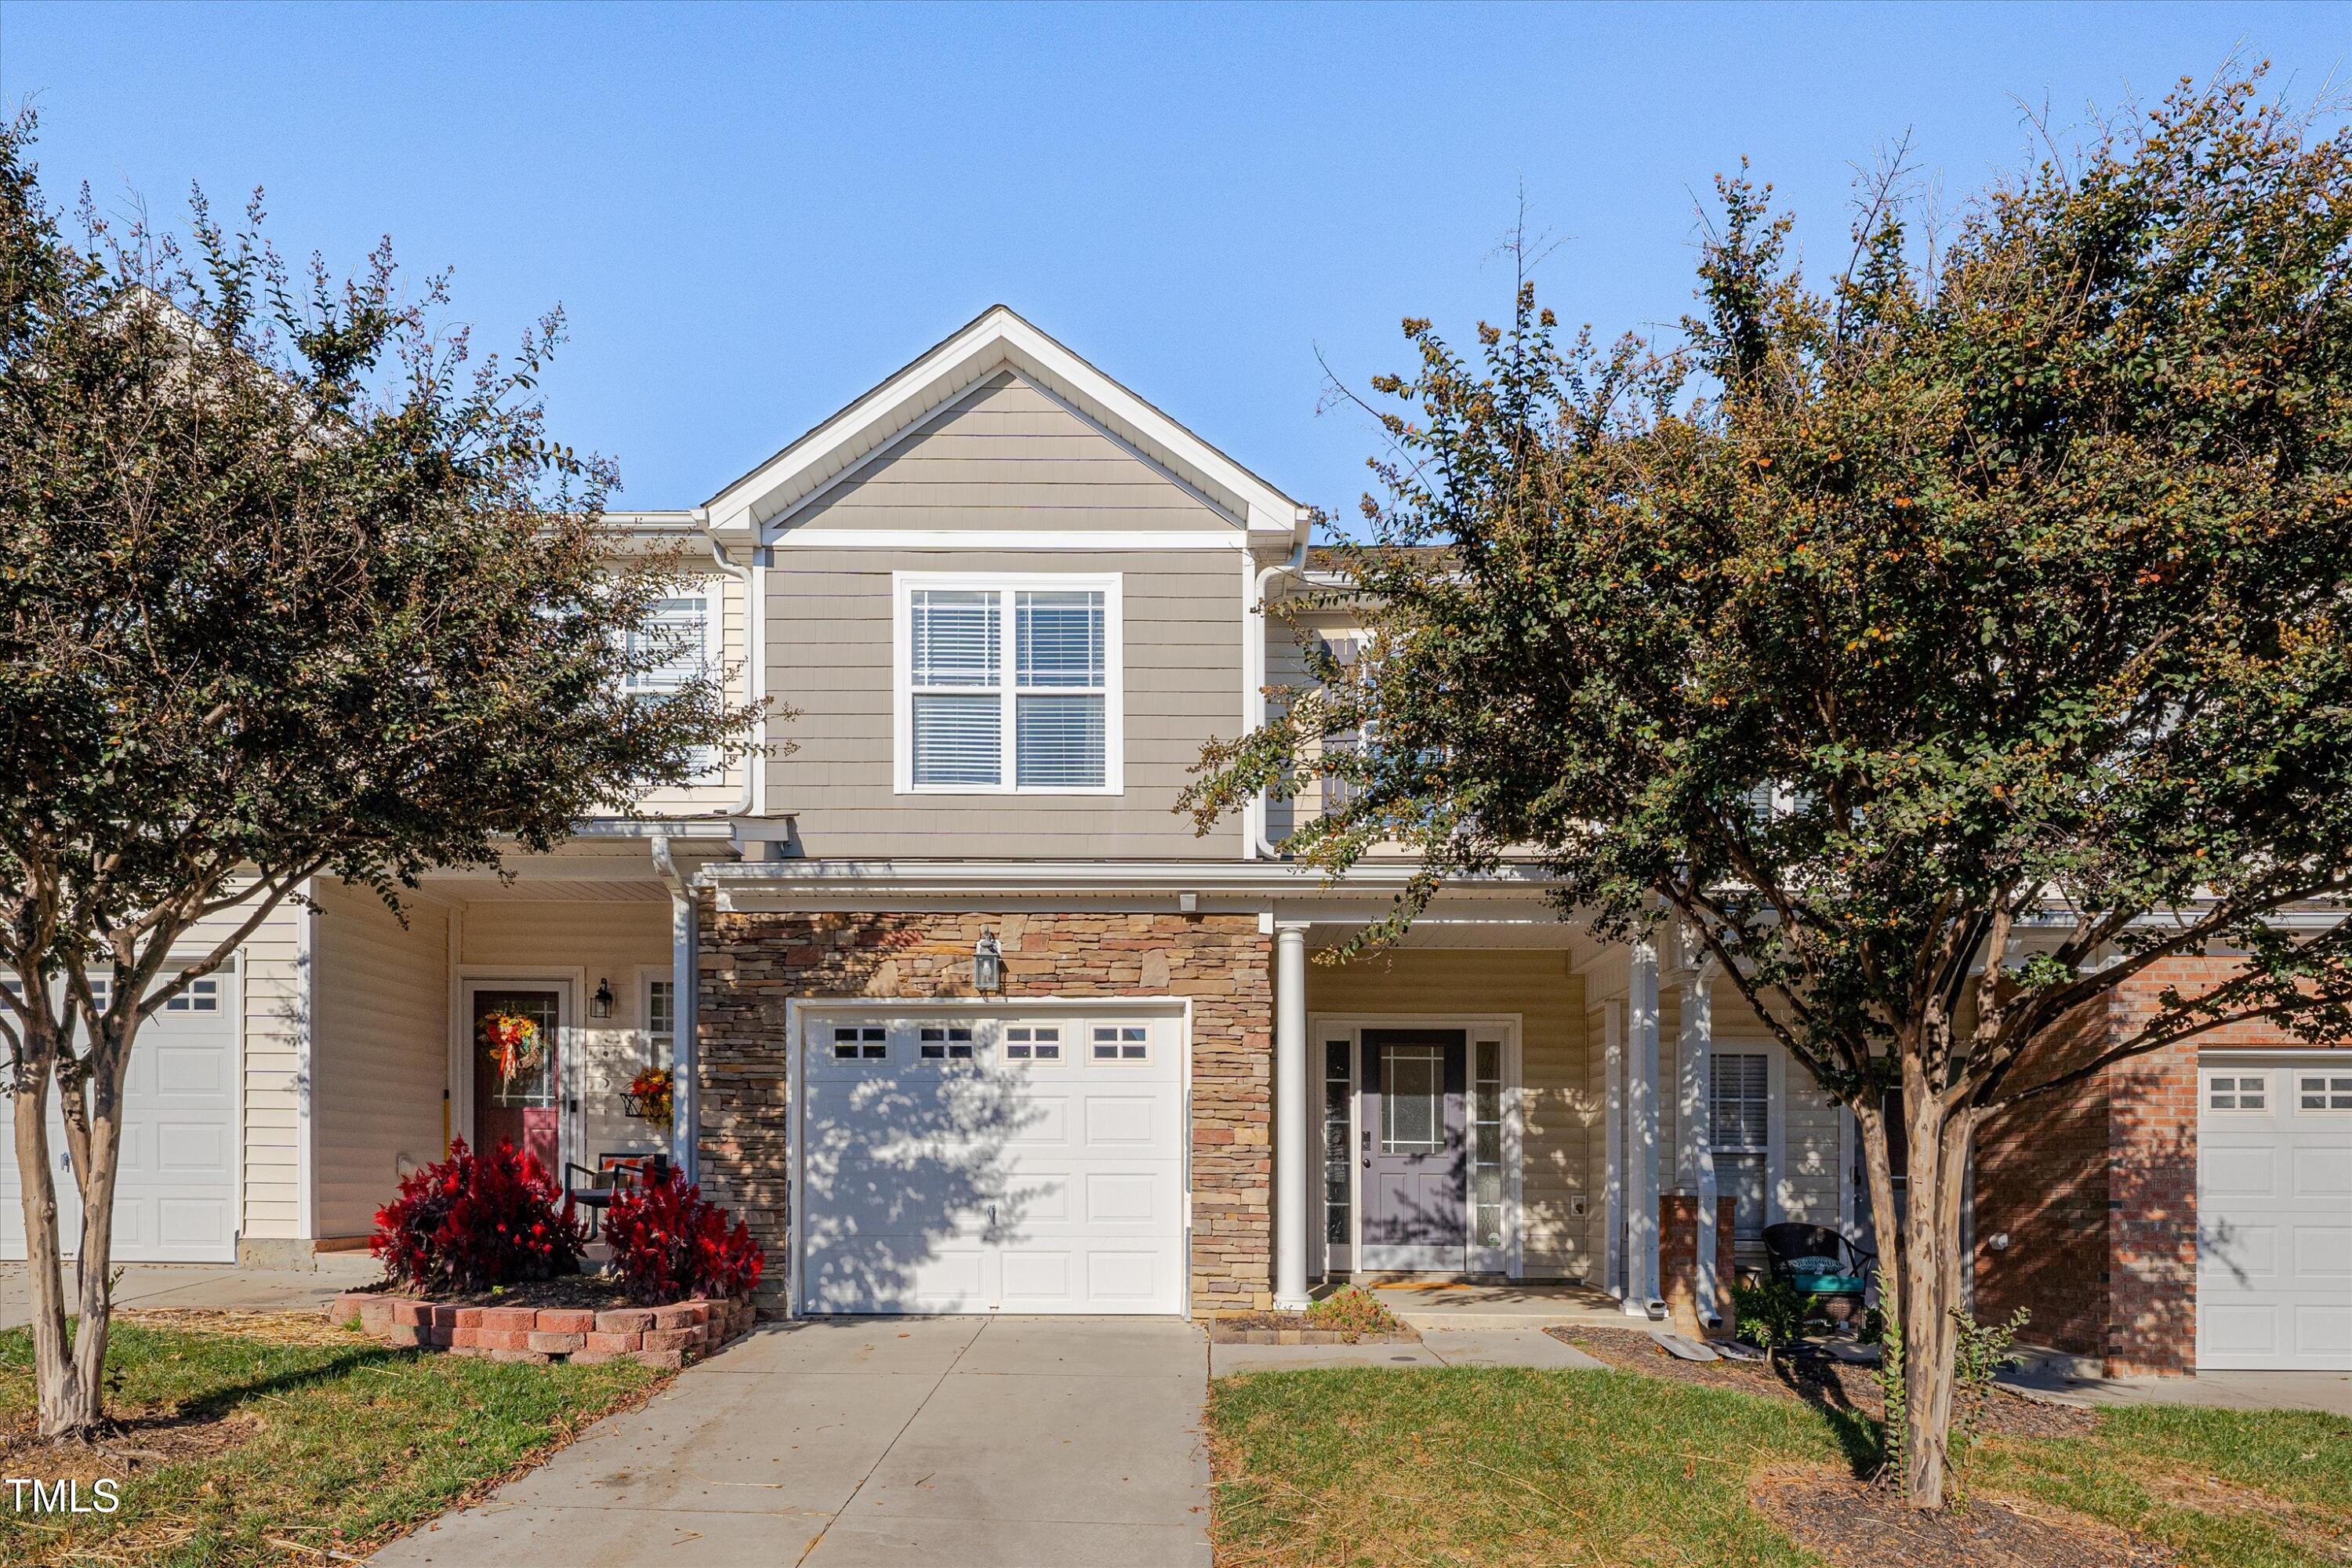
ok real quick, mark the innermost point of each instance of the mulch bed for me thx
(1856, 1525)
(1817, 1378)
(595, 1291)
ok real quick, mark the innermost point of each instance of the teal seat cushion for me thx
(1824, 1277)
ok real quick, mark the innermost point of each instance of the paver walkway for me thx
(964, 1442)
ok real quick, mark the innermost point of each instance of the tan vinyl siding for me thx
(1805, 1184)
(611, 942)
(381, 1053)
(1010, 455)
(1562, 1148)
(829, 637)
(270, 988)
(721, 791)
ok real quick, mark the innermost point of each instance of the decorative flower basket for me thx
(648, 1097)
(514, 1045)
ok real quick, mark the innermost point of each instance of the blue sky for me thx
(752, 213)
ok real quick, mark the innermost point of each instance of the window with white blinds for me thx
(1009, 685)
(679, 641)
(1739, 1136)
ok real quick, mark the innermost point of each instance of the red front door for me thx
(521, 1110)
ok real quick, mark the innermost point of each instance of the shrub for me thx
(477, 1220)
(1354, 1313)
(669, 1242)
(1770, 1311)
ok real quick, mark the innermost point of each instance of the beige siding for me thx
(721, 791)
(379, 1054)
(1562, 1148)
(829, 635)
(1805, 1182)
(611, 942)
(1010, 455)
(270, 986)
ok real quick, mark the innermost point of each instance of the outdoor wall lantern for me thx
(987, 965)
(599, 1006)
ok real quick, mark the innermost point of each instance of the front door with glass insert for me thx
(1413, 1134)
(521, 1110)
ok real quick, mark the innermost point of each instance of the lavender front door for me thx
(1415, 1149)
(522, 1110)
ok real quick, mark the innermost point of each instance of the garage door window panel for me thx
(2324, 1091)
(1122, 1042)
(1033, 1042)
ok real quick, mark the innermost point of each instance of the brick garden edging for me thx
(667, 1336)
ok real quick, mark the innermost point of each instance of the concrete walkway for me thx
(964, 1442)
(1438, 1347)
(220, 1286)
(2329, 1392)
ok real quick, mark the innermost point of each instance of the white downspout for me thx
(684, 1050)
(755, 675)
(1255, 842)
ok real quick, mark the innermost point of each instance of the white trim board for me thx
(997, 339)
(1007, 586)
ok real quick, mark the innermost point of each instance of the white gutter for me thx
(684, 1047)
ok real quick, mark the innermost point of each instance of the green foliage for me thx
(1770, 1311)
(1893, 1389)
(290, 585)
(1980, 1355)
(1937, 647)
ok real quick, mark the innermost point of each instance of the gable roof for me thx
(996, 339)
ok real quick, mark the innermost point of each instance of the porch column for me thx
(685, 973)
(1695, 1159)
(1292, 1123)
(1642, 1131)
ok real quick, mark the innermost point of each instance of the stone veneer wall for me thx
(752, 965)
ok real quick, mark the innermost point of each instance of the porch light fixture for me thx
(599, 1006)
(987, 965)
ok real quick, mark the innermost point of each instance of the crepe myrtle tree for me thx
(288, 589)
(1939, 651)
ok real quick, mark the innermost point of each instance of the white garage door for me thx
(988, 1164)
(175, 1199)
(2274, 1213)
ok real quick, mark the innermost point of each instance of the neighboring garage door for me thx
(2274, 1213)
(1014, 1163)
(175, 1198)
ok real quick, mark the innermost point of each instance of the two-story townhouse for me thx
(962, 1015)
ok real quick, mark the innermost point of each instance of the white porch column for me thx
(1642, 1131)
(685, 978)
(1695, 1157)
(1293, 1126)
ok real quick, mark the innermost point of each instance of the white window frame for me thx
(1006, 586)
(706, 761)
(656, 1055)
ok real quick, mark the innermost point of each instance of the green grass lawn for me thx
(1372, 1467)
(340, 1443)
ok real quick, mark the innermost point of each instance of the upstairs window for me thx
(1008, 686)
(680, 637)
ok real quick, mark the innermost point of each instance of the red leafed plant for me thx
(477, 1220)
(669, 1242)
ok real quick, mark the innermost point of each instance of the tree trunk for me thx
(68, 1403)
(1930, 1273)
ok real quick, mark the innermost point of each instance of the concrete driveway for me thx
(964, 1442)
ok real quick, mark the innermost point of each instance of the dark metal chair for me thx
(1823, 1263)
(614, 1174)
